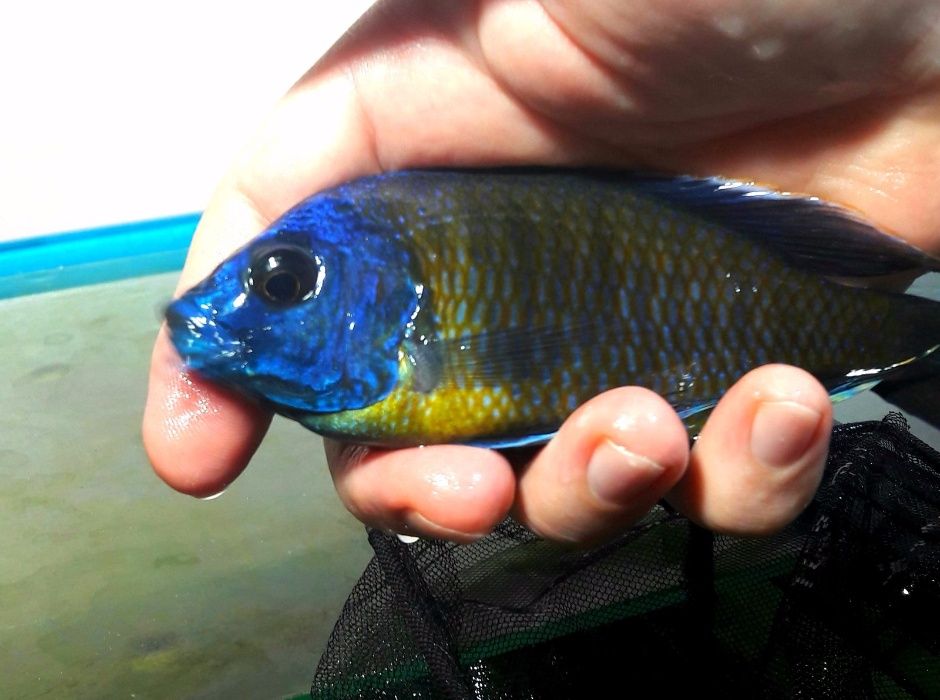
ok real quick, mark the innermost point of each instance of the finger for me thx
(877, 161)
(450, 492)
(198, 437)
(760, 456)
(611, 461)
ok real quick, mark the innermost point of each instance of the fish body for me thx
(484, 307)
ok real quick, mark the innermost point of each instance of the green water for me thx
(111, 584)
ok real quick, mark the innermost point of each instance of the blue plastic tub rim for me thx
(91, 256)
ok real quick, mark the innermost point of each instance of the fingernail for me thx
(424, 526)
(783, 432)
(616, 475)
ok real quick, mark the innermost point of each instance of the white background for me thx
(119, 111)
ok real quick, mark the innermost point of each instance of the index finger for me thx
(198, 436)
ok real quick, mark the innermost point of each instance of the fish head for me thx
(309, 316)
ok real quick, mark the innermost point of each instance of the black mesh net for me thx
(844, 603)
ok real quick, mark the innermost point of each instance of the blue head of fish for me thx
(309, 316)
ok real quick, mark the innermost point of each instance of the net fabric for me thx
(843, 603)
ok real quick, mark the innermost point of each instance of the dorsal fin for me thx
(815, 235)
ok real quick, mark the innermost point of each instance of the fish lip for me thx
(194, 336)
(202, 344)
(176, 319)
(180, 318)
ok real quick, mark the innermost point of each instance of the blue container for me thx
(111, 584)
(47, 263)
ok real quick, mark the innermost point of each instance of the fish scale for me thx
(533, 259)
(501, 301)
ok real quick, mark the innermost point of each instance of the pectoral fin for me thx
(501, 356)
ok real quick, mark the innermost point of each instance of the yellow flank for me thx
(448, 412)
(453, 409)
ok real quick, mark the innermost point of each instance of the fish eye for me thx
(285, 275)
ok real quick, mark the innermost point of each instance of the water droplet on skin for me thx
(185, 403)
(731, 25)
(443, 483)
(767, 49)
(625, 422)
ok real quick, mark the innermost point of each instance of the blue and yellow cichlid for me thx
(484, 306)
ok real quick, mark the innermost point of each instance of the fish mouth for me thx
(176, 319)
(185, 321)
(203, 346)
(196, 337)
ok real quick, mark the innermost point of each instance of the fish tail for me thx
(914, 328)
(911, 332)
(915, 387)
(891, 335)
(917, 393)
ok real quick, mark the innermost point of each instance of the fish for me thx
(916, 393)
(483, 307)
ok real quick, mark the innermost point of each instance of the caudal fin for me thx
(913, 327)
(916, 391)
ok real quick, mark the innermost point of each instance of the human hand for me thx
(840, 102)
